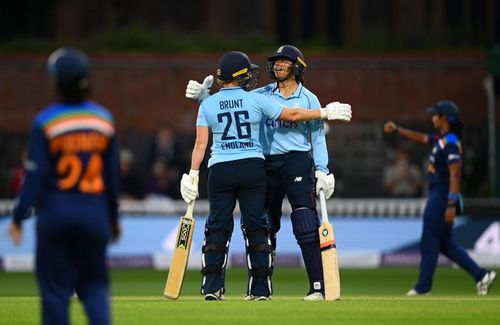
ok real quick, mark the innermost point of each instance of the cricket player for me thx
(235, 117)
(292, 150)
(445, 201)
(72, 182)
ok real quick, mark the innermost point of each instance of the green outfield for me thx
(372, 296)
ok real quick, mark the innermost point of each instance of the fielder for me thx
(445, 201)
(292, 151)
(234, 116)
(72, 181)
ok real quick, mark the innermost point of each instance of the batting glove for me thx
(336, 111)
(325, 182)
(189, 186)
(195, 90)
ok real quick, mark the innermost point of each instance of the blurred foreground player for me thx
(72, 179)
(445, 201)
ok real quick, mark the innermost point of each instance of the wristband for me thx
(453, 196)
(396, 127)
(323, 113)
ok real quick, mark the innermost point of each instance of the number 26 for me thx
(243, 128)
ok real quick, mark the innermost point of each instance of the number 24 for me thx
(70, 168)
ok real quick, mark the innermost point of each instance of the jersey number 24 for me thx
(70, 168)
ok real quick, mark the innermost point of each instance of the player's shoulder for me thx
(449, 139)
(61, 110)
(307, 93)
(210, 100)
(267, 89)
(452, 138)
(98, 109)
(48, 113)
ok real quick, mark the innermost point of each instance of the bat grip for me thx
(190, 208)
(322, 202)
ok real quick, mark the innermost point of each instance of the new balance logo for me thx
(297, 179)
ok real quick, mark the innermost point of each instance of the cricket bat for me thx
(180, 256)
(328, 254)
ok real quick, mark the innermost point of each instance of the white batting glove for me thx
(195, 90)
(325, 182)
(336, 111)
(189, 185)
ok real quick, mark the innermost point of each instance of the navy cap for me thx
(446, 108)
(70, 67)
(234, 64)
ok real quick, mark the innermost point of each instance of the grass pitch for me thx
(373, 296)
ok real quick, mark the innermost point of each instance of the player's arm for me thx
(332, 111)
(189, 187)
(200, 146)
(36, 167)
(112, 186)
(391, 127)
(454, 191)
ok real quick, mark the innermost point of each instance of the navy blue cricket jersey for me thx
(72, 163)
(446, 149)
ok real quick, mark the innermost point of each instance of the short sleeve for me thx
(270, 107)
(202, 120)
(452, 152)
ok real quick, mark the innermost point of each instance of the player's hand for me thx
(189, 186)
(195, 90)
(325, 182)
(449, 215)
(337, 112)
(390, 127)
(16, 233)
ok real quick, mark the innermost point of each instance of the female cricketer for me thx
(445, 201)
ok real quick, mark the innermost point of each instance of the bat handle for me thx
(190, 208)
(322, 202)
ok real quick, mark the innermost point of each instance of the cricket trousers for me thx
(437, 236)
(291, 174)
(71, 257)
(243, 181)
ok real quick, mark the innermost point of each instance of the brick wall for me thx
(144, 90)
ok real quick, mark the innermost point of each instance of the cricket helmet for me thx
(445, 108)
(236, 66)
(291, 53)
(70, 67)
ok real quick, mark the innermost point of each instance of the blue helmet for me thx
(236, 66)
(446, 108)
(291, 53)
(71, 68)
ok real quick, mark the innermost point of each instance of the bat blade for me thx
(180, 255)
(328, 248)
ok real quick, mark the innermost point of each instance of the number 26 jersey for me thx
(235, 117)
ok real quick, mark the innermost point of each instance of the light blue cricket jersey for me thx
(235, 117)
(280, 137)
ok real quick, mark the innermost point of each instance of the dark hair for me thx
(457, 128)
(73, 96)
